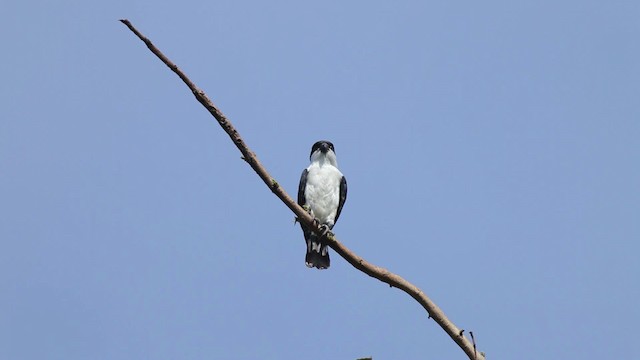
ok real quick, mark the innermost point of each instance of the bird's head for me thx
(323, 150)
(322, 146)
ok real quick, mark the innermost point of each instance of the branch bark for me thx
(356, 261)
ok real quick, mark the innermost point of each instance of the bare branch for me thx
(359, 263)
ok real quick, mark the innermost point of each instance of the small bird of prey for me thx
(322, 192)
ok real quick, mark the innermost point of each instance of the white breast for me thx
(322, 192)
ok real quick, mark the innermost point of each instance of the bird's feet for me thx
(324, 230)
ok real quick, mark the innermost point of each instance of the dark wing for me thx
(301, 188)
(343, 197)
(302, 201)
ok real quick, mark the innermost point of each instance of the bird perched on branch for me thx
(322, 192)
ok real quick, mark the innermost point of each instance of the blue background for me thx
(491, 150)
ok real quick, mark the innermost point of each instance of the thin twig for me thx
(359, 263)
(473, 340)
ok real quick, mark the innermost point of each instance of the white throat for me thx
(329, 158)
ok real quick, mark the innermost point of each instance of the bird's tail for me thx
(317, 253)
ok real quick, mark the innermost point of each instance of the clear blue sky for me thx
(491, 150)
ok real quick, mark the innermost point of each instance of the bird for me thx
(322, 192)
